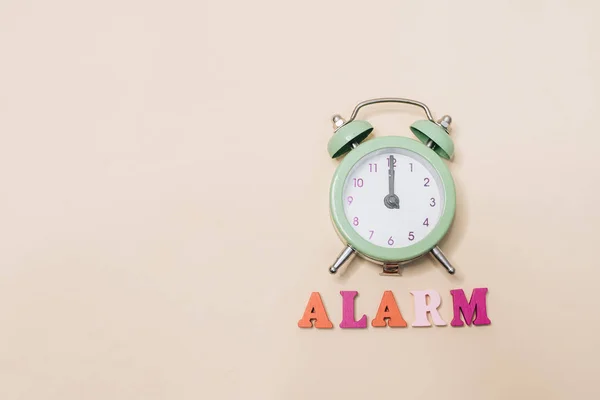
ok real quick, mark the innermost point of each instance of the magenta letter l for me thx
(348, 311)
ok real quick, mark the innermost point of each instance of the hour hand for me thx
(391, 201)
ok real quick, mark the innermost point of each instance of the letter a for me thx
(388, 313)
(315, 311)
(475, 307)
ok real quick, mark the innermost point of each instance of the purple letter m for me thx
(475, 307)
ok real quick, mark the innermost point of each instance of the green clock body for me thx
(392, 199)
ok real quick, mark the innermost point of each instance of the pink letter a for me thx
(475, 307)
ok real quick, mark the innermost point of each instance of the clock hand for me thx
(391, 201)
(391, 175)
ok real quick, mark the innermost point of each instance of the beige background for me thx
(164, 204)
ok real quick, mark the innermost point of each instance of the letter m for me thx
(475, 307)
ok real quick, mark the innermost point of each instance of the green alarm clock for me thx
(392, 199)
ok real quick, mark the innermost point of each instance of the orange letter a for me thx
(388, 309)
(315, 311)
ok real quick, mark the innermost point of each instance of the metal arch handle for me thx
(390, 100)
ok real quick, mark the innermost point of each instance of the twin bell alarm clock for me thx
(392, 199)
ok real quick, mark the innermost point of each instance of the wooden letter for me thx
(315, 311)
(422, 308)
(475, 307)
(388, 313)
(348, 311)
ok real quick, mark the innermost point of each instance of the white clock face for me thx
(393, 197)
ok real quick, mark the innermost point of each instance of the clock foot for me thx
(391, 269)
(345, 256)
(437, 253)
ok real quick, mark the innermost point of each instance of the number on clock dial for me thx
(415, 183)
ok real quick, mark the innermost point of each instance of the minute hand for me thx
(391, 201)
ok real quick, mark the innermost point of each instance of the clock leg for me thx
(444, 122)
(345, 256)
(437, 253)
